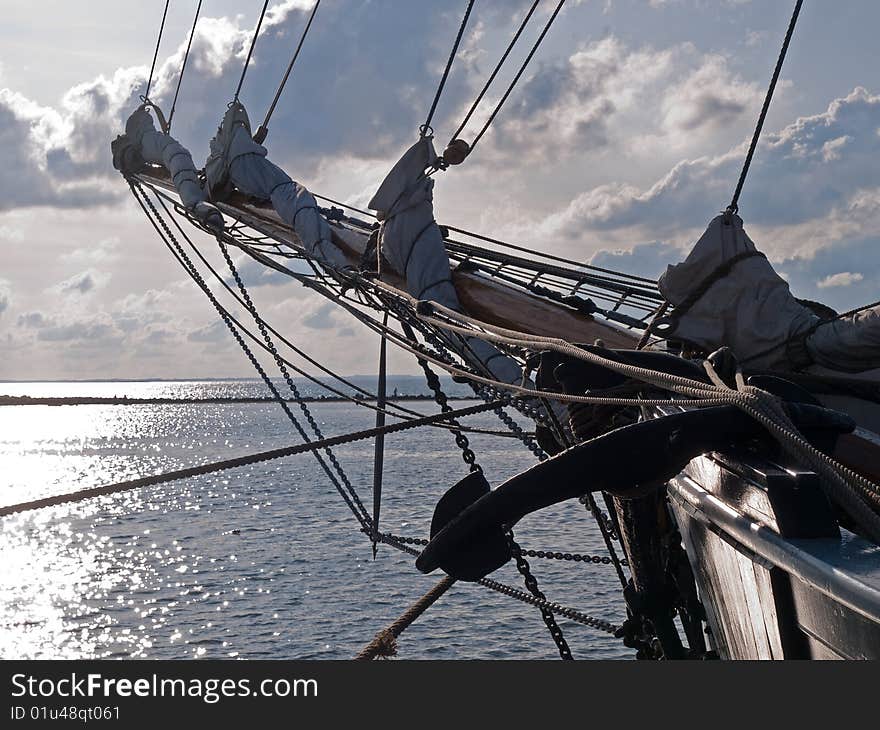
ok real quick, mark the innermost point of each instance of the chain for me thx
(316, 429)
(510, 591)
(467, 454)
(486, 392)
(157, 220)
(543, 554)
(522, 565)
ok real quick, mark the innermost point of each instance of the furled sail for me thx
(411, 241)
(726, 293)
(237, 161)
(142, 143)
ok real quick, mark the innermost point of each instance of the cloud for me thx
(811, 184)
(844, 278)
(5, 295)
(607, 92)
(82, 283)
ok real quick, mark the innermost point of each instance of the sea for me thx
(266, 561)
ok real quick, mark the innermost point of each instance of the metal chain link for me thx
(543, 554)
(557, 608)
(270, 345)
(522, 565)
(158, 221)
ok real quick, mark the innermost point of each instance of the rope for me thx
(859, 496)
(156, 52)
(511, 592)
(518, 75)
(250, 53)
(183, 65)
(425, 129)
(379, 445)
(217, 466)
(350, 496)
(485, 88)
(734, 204)
(263, 129)
(385, 642)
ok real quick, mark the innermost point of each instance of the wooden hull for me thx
(776, 577)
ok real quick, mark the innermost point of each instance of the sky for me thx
(623, 139)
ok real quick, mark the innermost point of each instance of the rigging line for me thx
(379, 445)
(426, 127)
(518, 75)
(183, 65)
(485, 88)
(287, 342)
(357, 401)
(247, 61)
(734, 203)
(146, 96)
(226, 464)
(263, 129)
(551, 257)
(173, 245)
(306, 411)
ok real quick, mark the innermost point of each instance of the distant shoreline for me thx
(25, 400)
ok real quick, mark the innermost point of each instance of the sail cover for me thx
(162, 149)
(851, 344)
(727, 293)
(411, 241)
(235, 158)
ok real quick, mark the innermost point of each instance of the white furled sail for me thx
(238, 161)
(143, 143)
(727, 294)
(411, 241)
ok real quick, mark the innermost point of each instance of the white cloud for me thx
(844, 278)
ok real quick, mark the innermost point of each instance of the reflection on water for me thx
(257, 562)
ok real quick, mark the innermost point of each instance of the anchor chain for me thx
(306, 411)
(531, 583)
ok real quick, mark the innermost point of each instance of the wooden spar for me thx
(489, 300)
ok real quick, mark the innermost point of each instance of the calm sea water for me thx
(259, 562)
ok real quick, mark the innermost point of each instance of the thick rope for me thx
(348, 493)
(250, 53)
(183, 65)
(226, 464)
(734, 204)
(511, 592)
(385, 642)
(263, 129)
(518, 75)
(858, 495)
(425, 129)
(156, 52)
(495, 72)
